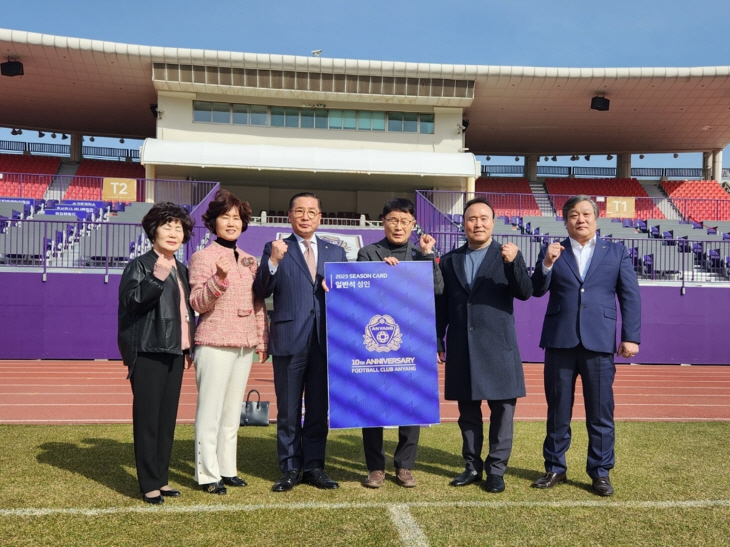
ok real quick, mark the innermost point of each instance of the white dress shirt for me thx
(302, 247)
(583, 255)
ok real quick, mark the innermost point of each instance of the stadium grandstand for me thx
(357, 133)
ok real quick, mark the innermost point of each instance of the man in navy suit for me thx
(292, 270)
(585, 275)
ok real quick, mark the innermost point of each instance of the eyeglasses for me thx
(309, 213)
(393, 222)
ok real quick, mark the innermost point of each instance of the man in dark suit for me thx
(481, 281)
(292, 270)
(398, 222)
(585, 275)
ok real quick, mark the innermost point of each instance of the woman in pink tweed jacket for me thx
(231, 327)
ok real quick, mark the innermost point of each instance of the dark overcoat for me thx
(483, 359)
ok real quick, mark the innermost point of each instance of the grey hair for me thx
(572, 202)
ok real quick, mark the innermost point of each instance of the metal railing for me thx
(645, 208)
(655, 260)
(59, 187)
(65, 150)
(609, 172)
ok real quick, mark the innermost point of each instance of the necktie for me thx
(309, 257)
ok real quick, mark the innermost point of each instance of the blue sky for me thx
(575, 33)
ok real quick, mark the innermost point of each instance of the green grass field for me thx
(76, 485)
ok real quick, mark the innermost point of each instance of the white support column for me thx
(717, 165)
(470, 187)
(623, 166)
(707, 165)
(150, 174)
(531, 168)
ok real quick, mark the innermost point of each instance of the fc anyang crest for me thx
(382, 334)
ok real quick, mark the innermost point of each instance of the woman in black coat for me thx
(156, 330)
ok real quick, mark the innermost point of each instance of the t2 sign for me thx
(116, 189)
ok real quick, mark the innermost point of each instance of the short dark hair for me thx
(304, 195)
(222, 202)
(164, 212)
(402, 205)
(480, 199)
(575, 200)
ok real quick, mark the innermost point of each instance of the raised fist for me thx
(426, 242)
(552, 253)
(278, 250)
(222, 267)
(509, 252)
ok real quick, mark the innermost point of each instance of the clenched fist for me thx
(552, 254)
(278, 250)
(222, 267)
(509, 252)
(426, 243)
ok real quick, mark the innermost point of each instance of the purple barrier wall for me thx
(74, 316)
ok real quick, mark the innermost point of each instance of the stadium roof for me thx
(104, 88)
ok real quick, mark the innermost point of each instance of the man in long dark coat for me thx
(481, 280)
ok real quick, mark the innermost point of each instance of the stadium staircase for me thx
(542, 198)
(661, 200)
(64, 176)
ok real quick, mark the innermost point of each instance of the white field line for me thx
(239, 507)
(410, 533)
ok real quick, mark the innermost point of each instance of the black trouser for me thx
(156, 381)
(501, 430)
(405, 452)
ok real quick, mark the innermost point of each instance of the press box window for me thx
(202, 111)
(241, 114)
(427, 124)
(259, 115)
(221, 113)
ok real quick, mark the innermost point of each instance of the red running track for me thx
(84, 392)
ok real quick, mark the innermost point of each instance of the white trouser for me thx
(221, 374)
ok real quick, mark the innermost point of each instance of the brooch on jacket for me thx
(250, 262)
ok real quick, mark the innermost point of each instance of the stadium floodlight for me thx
(41, 134)
(641, 156)
(555, 158)
(517, 158)
(92, 139)
(316, 52)
(64, 137)
(121, 141)
(547, 158)
(675, 155)
(587, 157)
(14, 132)
(53, 135)
(609, 157)
(489, 158)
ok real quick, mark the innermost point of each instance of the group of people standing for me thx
(475, 286)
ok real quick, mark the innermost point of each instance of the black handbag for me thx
(255, 412)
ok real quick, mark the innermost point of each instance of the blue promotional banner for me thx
(381, 344)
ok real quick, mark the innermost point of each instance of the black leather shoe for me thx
(288, 481)
(494, 484)
(318, 478)
(234, 481)
(548, 480)
(171, 493)
(467, 477)
(215, 488)
(602, 486)
(157, 500)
